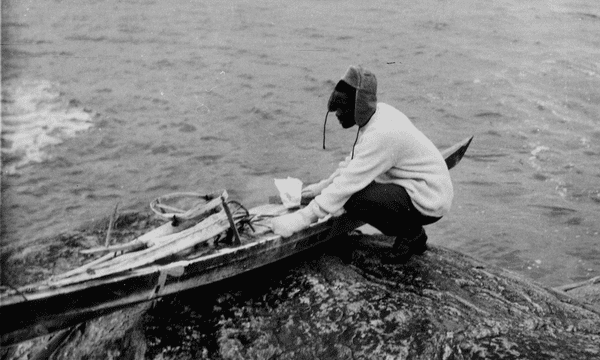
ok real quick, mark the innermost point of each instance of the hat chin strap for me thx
(355, 141)
(325, 128)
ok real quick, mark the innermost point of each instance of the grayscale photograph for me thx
(300, 179)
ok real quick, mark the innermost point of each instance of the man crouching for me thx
(395, 178)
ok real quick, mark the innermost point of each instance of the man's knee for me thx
(360, 204)
(368, 198)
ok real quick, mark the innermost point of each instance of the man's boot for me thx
(404, 247)
(419, 243)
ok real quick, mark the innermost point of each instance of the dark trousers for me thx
(388, 208)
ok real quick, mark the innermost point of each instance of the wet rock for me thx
(441, 305)
(115, 336)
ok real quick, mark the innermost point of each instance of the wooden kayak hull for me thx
(49, 309)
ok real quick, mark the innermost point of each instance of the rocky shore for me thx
(337, 302)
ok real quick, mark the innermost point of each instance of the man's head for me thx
(354, 98)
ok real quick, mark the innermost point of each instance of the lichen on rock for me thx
(442, 305)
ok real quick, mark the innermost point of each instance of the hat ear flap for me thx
(330, 102)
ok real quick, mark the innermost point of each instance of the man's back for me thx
(414, 161)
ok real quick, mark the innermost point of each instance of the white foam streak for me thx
(35, 116)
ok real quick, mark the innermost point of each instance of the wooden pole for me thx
(111, 223)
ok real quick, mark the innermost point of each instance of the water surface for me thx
(121, 101)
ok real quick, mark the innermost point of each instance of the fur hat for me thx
(365, 84)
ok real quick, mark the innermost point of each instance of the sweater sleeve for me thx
(374, 154)
(326, 182)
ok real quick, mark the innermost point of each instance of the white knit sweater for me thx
(390, 149)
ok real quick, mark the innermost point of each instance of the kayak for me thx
(167, 260)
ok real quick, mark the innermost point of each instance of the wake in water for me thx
(35, 117)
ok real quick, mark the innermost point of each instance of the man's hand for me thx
(288, 224)
(311, 191)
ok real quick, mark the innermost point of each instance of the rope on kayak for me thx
(168, 206)
(239, 219)
(241, 215)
